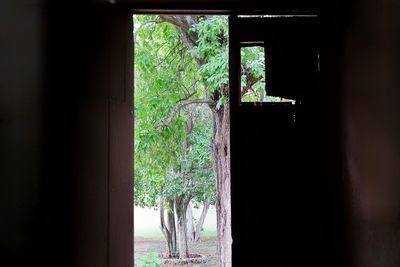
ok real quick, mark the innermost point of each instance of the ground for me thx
(205, 247)
(148, 236)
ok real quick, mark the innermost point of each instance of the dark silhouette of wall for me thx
(66, 174)
(21, 92)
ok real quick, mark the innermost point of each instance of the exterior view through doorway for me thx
(182, 140)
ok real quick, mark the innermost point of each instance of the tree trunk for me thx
(201, 221)
(190, 226)
(220, 146)
(164, 230)
(221, 156)
(172, 227)
(181, 206)
(169, 230)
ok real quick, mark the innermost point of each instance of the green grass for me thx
(155, 234)
(208, 234)
(147, 224)
(148, 233)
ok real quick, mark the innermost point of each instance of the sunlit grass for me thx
(147, 224)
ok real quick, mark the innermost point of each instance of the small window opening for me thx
(252, 78)
(254, 86)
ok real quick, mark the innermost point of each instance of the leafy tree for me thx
(181, 78)
(172, 145)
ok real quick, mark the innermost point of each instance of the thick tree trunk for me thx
(181, 206)
(182, 240)
(190, 226)
(221, 156)
(201, 220)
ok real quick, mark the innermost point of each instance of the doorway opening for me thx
(182, 146)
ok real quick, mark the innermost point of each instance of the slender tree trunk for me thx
(172, 227)
(169, 230)
(221, 156)
(201, 220)
(181, 206)
(190, 226)
(165, 231)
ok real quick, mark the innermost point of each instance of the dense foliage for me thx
(165, 74)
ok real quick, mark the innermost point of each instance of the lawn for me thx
(148, 236)
(147, 223)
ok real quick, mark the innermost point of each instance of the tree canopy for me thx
(166, 74)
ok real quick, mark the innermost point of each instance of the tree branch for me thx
(183, 22)
(250, 80)
(189, 95)
(183, 25)
(144, 24)
(166, 57)
(183, 104)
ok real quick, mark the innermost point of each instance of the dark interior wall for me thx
(21, 83)
(64, 110)
(371, 119)
(88, 132)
